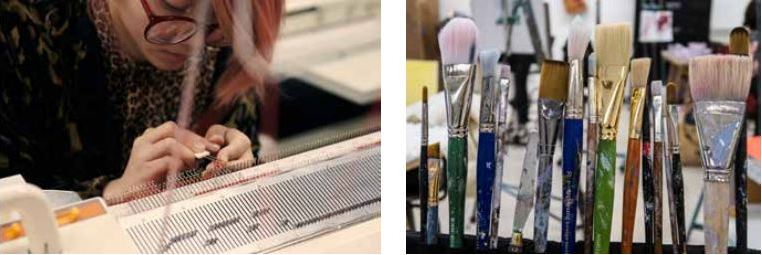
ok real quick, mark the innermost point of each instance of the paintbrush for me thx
(613, 44)
(434, 174)
(502, 150)
(719, 86)
(739, 45)
(525, 198)
(554, 80)
(457, 43)
(485, 157)
(658, 162)
(423, 171)
(648, 177)
(592, 145)
(639, 78)
(579, 38)
(675, 174)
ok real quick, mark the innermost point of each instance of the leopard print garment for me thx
(144, 95)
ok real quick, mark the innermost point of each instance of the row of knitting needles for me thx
(719, 86)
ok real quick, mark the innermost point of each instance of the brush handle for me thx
(432, 225)
(658, 157)
(423, 186)
(630, 197)
(496, 192)
(741, 195)
(485, 182)
(676, 205)
(456, 187)
(716, 213)
(604, 195)
(542, 199)
(572, 149)
(648, 195)
(592, 146)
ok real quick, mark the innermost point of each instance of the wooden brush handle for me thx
(658, 157)
(630, 198)
(592, 145)
(604, 195)
(456, 187)
(716, 213)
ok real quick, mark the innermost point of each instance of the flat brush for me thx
(639, 78)
(502, 150)
(525, 198)
(658, 161)
(485, 157)
(592, 145)
(434, 177)
(739, 45)
(675, 172)
(572, 144)
(719, 85)
(613, 44)
(457, 44)
(423, 170)
(554, 80)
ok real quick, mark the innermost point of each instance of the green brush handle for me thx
(604, 195)
(456, 187)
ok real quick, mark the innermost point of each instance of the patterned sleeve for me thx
(245, 117)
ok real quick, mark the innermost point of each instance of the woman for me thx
(90, 89)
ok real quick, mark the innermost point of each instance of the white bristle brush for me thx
(457, 41)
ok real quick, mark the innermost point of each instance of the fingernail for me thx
(215, 147)
(199, 146)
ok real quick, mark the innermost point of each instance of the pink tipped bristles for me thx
(457, 41)
(720, 77)
(579, 38)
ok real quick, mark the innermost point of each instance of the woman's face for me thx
(134, 18)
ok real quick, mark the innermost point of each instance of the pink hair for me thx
(238, 80)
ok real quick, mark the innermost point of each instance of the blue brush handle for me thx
(485, 181)
(432, 224)
(572, 148)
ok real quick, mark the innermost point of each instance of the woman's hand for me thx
(154, 153)
(236, 147)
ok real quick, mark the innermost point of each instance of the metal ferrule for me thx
(636, 112)
(551, 111)
(424, 124)
(611, 93)
(672, 135)
(592, 100)
(657, 114)
(489, 102)
(434, 176)
(575, 100)
(718, 123)
(717, 175)
(459, 86)
(502, 111)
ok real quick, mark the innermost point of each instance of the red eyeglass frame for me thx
(154, 19)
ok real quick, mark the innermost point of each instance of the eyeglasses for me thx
(167, 29)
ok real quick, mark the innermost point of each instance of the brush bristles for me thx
(579, 38)
(739, 41)
(432, 151)
(720, 77)
(591, 64)
(457, 41)
(639, 68)
(505, 71)
(613, 44)
(425, 94)
(554, 80)
(672, 97)
(488, 62)
(656, 88)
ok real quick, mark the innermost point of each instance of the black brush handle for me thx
(741, 194)
(423, 192)
(677, 186)
(647, 173)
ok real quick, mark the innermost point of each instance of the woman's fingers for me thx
(237, 145)
(195, 142)
(170, 147)
(153, 135)
(157, 168)
(216, 134)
